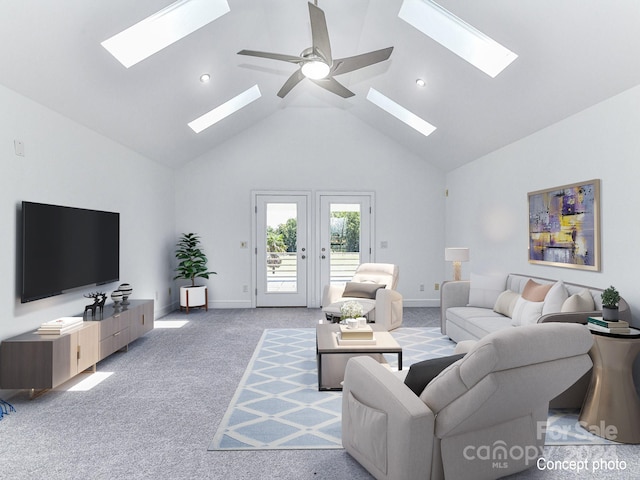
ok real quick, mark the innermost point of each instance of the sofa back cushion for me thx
(485, 289)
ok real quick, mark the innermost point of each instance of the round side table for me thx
(611, 408)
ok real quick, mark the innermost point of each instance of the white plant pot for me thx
(193, 297)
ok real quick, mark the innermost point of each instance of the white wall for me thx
(487, 207)
(67, 164)
(320, 150)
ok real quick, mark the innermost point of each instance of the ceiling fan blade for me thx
(334, 86)
(320, 34)
(291, 82)
(273, 56)
(349, 64)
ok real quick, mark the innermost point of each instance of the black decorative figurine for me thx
(98, 303)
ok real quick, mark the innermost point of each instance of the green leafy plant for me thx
(193, 261)
(610, 298)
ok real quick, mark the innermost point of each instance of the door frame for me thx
(254, 237)
(316, 299)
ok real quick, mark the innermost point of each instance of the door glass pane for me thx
(281, 268)
(345, 241)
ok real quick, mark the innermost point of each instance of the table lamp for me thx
(456, 255)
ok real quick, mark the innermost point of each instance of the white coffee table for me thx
(332, 357)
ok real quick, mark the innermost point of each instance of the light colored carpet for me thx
(277, 405)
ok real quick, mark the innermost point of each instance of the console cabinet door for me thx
(88, 346)
(141, 320)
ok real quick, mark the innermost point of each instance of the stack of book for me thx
(599, 324)
(360, 335)
(60, 326)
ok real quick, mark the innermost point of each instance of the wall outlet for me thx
(156, 295)
(436, 286)
(169, 292)
(245, 289)
(244, 244)
(422, 287)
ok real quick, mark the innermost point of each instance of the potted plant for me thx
(192, 264)
(610, 300)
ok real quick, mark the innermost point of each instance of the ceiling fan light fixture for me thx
(205, 78)
(315, 69)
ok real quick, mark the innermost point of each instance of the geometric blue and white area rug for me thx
(277, 405)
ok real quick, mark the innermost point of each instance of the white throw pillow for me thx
(485, 289)
(555, 298)
(526, 312)
(578, 302)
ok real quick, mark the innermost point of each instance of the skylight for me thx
(457, 35)
(400, 112)
(226, 109)
(163, 28)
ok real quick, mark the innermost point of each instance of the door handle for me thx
(304, 256)
(322, 257)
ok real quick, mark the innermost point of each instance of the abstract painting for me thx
(564, 226)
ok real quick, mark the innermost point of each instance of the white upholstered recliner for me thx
(483, 417)
(374, 286)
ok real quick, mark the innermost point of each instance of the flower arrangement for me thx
(351, 309)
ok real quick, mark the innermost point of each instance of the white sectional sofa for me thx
(468, 313)
(468, 308)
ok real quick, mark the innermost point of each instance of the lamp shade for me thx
(455, 254)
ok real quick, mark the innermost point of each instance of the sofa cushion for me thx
(361, 289)
(421, 373)
(477, 321)
(555, 298)
(578, 302)
(535, 292)
(485, 289)
(506, 302)
(526, 312)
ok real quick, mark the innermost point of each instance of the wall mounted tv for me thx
(65, 248)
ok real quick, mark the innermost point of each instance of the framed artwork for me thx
(564, 226)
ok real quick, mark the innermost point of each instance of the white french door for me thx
(281, 250)
(345, 235)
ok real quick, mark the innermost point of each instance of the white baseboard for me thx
(230, 304)
(421, 302)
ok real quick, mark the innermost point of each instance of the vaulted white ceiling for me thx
(571, 55)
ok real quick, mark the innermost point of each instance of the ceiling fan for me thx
(316, 62)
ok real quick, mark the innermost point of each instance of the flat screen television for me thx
(66, 247)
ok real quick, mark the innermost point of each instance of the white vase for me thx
(193, 297)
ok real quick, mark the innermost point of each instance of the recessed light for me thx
(205, 77)
(420, 82)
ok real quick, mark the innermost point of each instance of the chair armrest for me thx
(385, 426)
(331, 294)
(452, 294)
(388, 311)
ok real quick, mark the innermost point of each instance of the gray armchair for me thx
(483, 417)
(374, 287)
